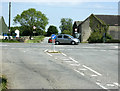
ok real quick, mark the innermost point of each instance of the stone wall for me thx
(86, 31)
(114, 31)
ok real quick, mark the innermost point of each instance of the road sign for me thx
(53, 36)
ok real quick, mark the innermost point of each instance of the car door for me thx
(67, 39)
(59, 38)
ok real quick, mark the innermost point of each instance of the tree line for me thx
(31, 18)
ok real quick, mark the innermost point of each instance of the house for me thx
(3, 26)
(95, 22)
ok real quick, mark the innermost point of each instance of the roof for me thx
(111, 20)
(78, 22)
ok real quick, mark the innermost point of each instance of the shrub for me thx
(66, 32)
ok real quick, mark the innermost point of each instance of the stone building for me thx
(84, 29)
(3, 26)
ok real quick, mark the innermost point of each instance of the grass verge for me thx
(36, 39)
(3, 83)
(9, 41)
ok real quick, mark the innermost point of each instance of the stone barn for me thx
(85, 30)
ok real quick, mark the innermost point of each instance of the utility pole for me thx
(9, 18)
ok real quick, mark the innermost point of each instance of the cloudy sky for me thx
(57, 9)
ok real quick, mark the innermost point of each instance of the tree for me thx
(29, 18)
(66, 32)
(52, 30)
(66, 24)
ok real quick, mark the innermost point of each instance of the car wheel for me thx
(57, 42)
(73, 43)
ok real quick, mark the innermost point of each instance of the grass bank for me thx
(9, 41)
(36, 39)
(3, 83)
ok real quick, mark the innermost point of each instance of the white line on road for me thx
(3, 45)
(64, 54)
(49, 54)
(73, 60)
(68, 61)
(116, 84)
(92, 70)
(79, 72)
(82, 69)
(46, 50)
(75, 64)
(93, 75)
(110, 85)
(65, 59)
(101, 85)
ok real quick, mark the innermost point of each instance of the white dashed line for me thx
(68, 61)
(65, 59)
(92, 70)
(75, 64)
(101, 85)
(110, 85)
(93, 75)
(82, 69)
(116, 84)
(73, 60)
(46, 50)
(49, 54)
(79, 72)
(3, 45)
(64, 54)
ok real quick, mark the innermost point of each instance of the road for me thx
(83, 66)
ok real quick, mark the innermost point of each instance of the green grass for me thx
(36, 39)
(3, 83)
(9, 41)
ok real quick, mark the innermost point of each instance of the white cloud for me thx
(72, 1)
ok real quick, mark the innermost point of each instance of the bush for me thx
(66, 32)
(113, 41)
(95, 37)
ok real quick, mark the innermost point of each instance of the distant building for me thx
(3, 26)
(85, 30)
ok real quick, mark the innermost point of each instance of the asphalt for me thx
(83, 66)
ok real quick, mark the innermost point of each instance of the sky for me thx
(57, 9)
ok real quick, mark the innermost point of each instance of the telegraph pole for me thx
(9, 17)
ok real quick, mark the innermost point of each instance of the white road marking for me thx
(68, 61)
(3, 45)
(73, 60)
(65, 59)
(64, 54)
(110, 85)
(79, 72)
(101, 85)
(75, 64)
(56, 58)
(49, 54)
(93, 75)
(46, 50)
(115, 47)
(103, 50)
(82, 69)
(116, 84)
(92, 70)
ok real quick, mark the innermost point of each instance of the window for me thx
(66, 36)
(60, 36)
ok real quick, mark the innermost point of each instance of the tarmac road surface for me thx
(83, 66)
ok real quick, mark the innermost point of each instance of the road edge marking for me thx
(92, 70)
(79, 72)
(101, 85)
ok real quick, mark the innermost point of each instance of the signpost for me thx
(53, 41)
